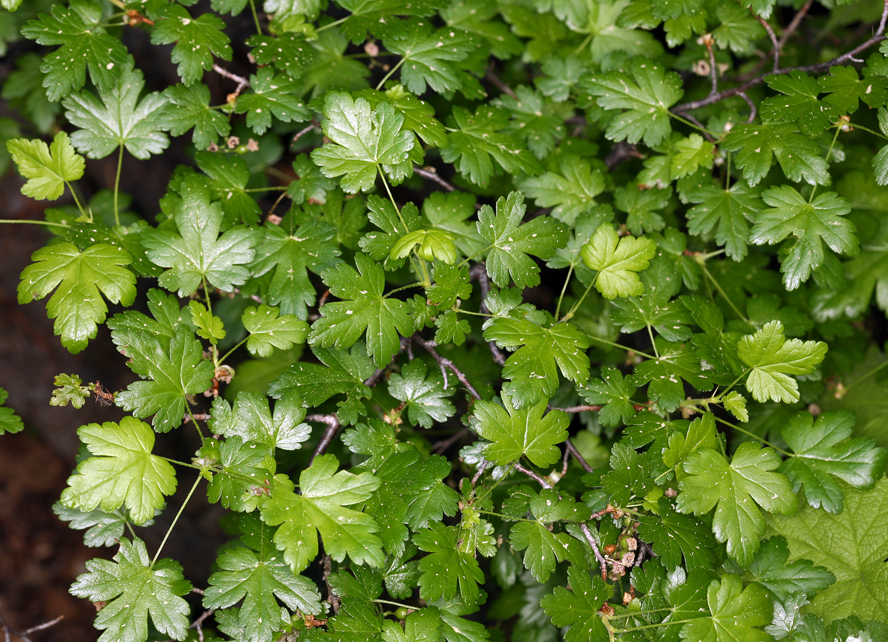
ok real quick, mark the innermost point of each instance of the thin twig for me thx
(794, 24)
(534, 476)
(444, 362)
(24, 635)
(479, 271)
(753, 110)
(197, 417)
(242, 83)
(198, 623)
(480, 471)
(577, 408)
(815, 68)
(576, 453)
(774, 42)
(303, 132)
(442, 446)
(333, 425)
(45, 625)
(496, 80)
(430, 174)
(713, 68)
(564, 461)
(601, 561)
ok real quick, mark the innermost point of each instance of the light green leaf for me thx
(268, 331)
(618, 261)
(735, 614)
(515, 432)
(772, 359)
(48, 169)
(209, 326)
(9, 421)
(122, 471)
(424, 394)
(429, 244)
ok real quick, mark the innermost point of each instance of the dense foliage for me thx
(494, 319)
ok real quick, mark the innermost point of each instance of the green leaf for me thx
(289, 52)
(364, 308)
(363, 140)
(614, 394)
(477, 142)
(83, 45)
(735, 403)
(428, 57)
(9, 421)
(196, 251)
(543, 548)
(515, 432)
(286, 8)
(449, 212)
(701, 433)
(738, 29)
(271, 96)
(189, 107)
(133, 586)
(418, 114)
(246, 469)
(321, 507)
(512, 242)
(769, 568)
(578, 607)
(258, 577)
(229, 176)
(647, 92)
(732, 488)
(292, 254)
(735, 613)
(665, 373)
(310, 184)
(209, 326)
(394, 226)
(533, 368)
(82, 278)
(48, 169)
(429, 245)
(446, 569)
(175, 373)
(812, 223)
(756, 145)
(268, 331)
(674, 535)
(538, 122)
(822, 451)
(690, 154)
(424, 395)
(799, 103)
(772, 359)
(846, 89)
(253, 421)
(102, 529)
(118, 118)
(69, 390)
(122, 471)
(617, 261)
(851, 545)
(641, 206)
(729, 210)
(197, 40)
(570, 192)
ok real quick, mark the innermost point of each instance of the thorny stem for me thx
(479, 271)
(242, 83)
(601, 561)
(534, 476)
(713, 69)
(175, 519)
(576, 453)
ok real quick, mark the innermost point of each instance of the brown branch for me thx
(333, 426)
(197, 417)
(446, 364)
(496, 80)
(713, 68)
(774, 43)
(794, 24)
(479, 271)
(24, 635)
(620, 153)
(332, 598)
(815, 68)
(576, 453)
(534, 476)
(442, 446)
(753, 110)
(601, 561)
(242, 83)
(577, 408)
(304, 131)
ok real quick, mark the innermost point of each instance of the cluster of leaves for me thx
(580, 355)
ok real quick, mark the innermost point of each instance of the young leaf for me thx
(69, 389)
(735, 613)
(258, 577)
(822, 450)
(617, 261)
(851, 545)
(364, 308)
(446, 570)
(83, 45)
(428, 244)
(271, 96)
(48, 169)
(811, 222)
(9, 421)
(121, 471)
(772, 359)
(647, 92)
(132, 587)
(424, 395)
(516, 432)
(268, 331)
(533, 368)
(511, 242)
(118, 118)
(197, 40)
(321, 507)
(448, 212)
(175, 373)
(209, 326)
(732, 488)
(578, 607)
(82, 278)
(363, 141)
(196, 251)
